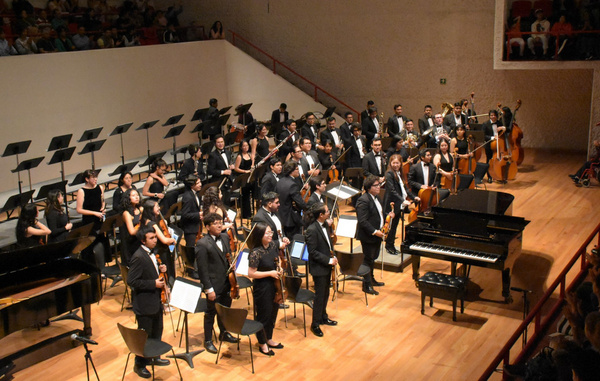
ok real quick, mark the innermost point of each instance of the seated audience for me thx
(81, 40)
(45, 44)
(6, 49)
(216, 31)
(25, 44)
(62, 42)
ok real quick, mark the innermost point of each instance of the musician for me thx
(423, 175)
(156, 185)
(131, 215)
(398, 193)
(410, 136)
(346, 129)
(212, 202)
(193, 164)
(124, 183)
(213, 266)
(327, 156)
(426, 121)
(146, 286)
(370, 126)
(297, 155)
(260, 144)
(317, 191)
(212, 128)
(310, 130)
(269, 214)
(444, 161)
(466, 111)
(332, 134)
(220, 166)
(30, 231)
(369, 212)
(365, 113)
(460, 142)
(396, 122)
(440, 132)
(288, 147)
(151, 217)
(269, 181)
(278, 118)
(56, 218)
(358, 148)
(398, 148)
(374, 162)
(310, 159)
(455, 119)
(491, 129)
(292, 203)
(247, 120)
(321, 261)
(243, 165)
(264, 272)
(191, 210)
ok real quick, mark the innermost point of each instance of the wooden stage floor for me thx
(389, 339)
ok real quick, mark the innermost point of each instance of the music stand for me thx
(16, 201)
(243, 110)
(223, 120)
(173, 120)
(230, 139)
(356, 172)
(61, 156)
(92, 147)
(200, 129)
(79, 178)
(174, 132)
(199, 114)
(90, 134)
(328, 112)
(224, 110)
(28, 165)
(43, 192)
(123, 168)
(148, 162)
(146, 126)
(17, 149)
(207, 147)
(59, 142)
(120, 130)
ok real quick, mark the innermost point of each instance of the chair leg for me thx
(238, 343)
(304, 319)
(294, 310)
(247, 297)
(126, 362)
(218, 352)
(251, 356)
(422, 303)
(152, 370)
(178, 370)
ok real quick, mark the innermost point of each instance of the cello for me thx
(516, 134)
(503, 166)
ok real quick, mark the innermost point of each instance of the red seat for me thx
(521, 8)
(149, 36)
(544, 5)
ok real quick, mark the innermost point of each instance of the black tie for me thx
(376, 155)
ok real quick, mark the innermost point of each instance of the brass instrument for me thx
(446, 108)
(381, 124)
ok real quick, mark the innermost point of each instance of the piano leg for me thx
(87, 319)
(416, 264)
(506, 285)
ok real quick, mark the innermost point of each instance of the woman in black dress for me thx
(444, 161)
(151, 217)
(90, 201)
(243, 164)
(460, 142)
(263, 270)
(132, 213)
(56, 218)
(212, 203)
(156, 185)
(29, 231)
(260, 144)
(125, 183)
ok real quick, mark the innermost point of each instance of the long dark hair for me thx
(148, 212)
(27, 218)
(214, 26)
(120, 182)
(258, 232)
(211, 197)
(52, 201)
(126, 204)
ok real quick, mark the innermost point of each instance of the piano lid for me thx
(480, 201)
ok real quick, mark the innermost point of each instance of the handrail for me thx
(536, 314)
(276, 62)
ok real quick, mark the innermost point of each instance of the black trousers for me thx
(209, 316)
(153, 325)
(321, 297)
(371, 252)
(391, 237)
(265, 307)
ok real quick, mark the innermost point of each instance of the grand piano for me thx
(43, 282)
(473, 227)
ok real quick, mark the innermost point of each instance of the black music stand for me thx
(230, 139)
(120, 130)
(199, 114)
(92, 147)
(224, 110)
(173, 120)
(60, 142)
(17, 149)
(223, 120)
(16, 201)
(28, 165)
(148, 162)
(90, 134)
(79, 178)
(243, 109)
(207, 148)
(195, 288)
(174, 132)
(199, 129)
(61, 156)
(328, 112)
(43, 192)
(123, 168)
(386, 143)
(146, 126)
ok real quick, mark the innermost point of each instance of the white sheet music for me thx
(185, 295)
(241, 266)
(346, 226)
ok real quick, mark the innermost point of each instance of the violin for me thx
(165, 294)
(333, 174)
(280, 291)
(234, 291)
(388, 219)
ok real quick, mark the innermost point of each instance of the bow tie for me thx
(221, 152)
(272, 214)
(325, 225)
(217, 238)
(377, 155)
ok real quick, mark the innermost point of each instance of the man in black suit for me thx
(220, 167)
(269, 214)
(288, 146)
(146, 287)
(268, 183)
(374, 162)
(191, 210)
(278, 118)
(310, 159)
(346, 129)
(317, 191)
(491, 129)
(310, 130)
(438, 132)
(212, 127)
(365, 113)
(213, 266)
(358, 147)
(426, 121)
(369, 212)
(192, 165)
(291, 201)
(455, 119)
(396, 122)
(423, 175)
(334, 135)
(320, 262)
(370, 126)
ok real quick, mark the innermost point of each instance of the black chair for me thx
(299, 295)
(235, 322)
(480, 171)
(352, 268)
(124, 272)
(139, 344)
(244, 283)
(188, 255)
(465, 181)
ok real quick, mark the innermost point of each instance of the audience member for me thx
(81, 40)
(562, 30)
(45, 44)
(540, 25)
(173, 12)
(515, 36)
(170, 35)
(6, 49)
(105, 41)
(25, 21)
(131, 38)
(63, 43)
(117, 39)
(42, 20)
(57, 20)
(216, 31)
(25, 44)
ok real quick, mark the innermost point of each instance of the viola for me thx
(388, 219)
(234, 291)
(165, 294)
(280, 291)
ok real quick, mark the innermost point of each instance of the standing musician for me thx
(193, 164)
(346, 129)
(262, 269)
(212, 202)
(321, 261)
(317, 191)
(310, 158)
(423, 175)
(297, 155)
(151, 217)
(369, 212)
(310, 130)
(124, 183)
(455, 119)
(146, 285)
(396, 122)
(327, 156)
(370, 126)
(57, 219)
(426, 121)
(269, 214)
(91, 206)
(30, 231)
(358, 147)
(444, 161)
(269, 181)
(290, 129)
(156, 183)
(260, 144)
(212, 128)
(213, 266)
(398, 148)
(131, 215)
(374, 162)
(364, 114)
(398, 193)
(243, 164)
(278, 118)
(460, 142)
(491, 129)
(292, 203)
(334, 135)
(247, 120)
(440, 132)
(220, 166)
(191, 210)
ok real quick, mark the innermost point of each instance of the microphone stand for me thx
(525, 309)
(88, 361)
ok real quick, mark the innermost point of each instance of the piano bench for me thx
(447, 287)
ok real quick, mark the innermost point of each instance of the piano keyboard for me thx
(452, 252)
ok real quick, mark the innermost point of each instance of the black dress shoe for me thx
(316, 330)
(490, 180)
(210, 347)
(278, 346)
(228, 338)
(142, 371)
(328, 321)
(283, 306)
(268, 352)
(161, 362)
(370, 290)
(391, 251)
(378, 284)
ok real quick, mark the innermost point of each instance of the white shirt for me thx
(152, 257)
(376, 122)
(326, 234)
(458, 119)
(495, 129)
(336, 138)
(399, 174)
(400, 123)
(276, 221)
(425, 173)
(430, 120)
(360, 147)
(309, 159)
(218, 241)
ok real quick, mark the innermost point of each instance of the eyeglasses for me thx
(269, 233)
(376, 185)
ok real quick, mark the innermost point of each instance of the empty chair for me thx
(480, 171)
(235, 322)
(124, 271)
(299, 295)
(352, 268)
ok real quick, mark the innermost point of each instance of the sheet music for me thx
(242, 263)
(346, 226)
(231, 214)
(175, 237)
(185, 295)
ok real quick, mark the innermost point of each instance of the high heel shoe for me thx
(268, 353)
(278, 346)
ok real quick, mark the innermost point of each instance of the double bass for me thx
(503, 166)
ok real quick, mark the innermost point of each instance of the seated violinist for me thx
(326, 156)
(577, 177)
